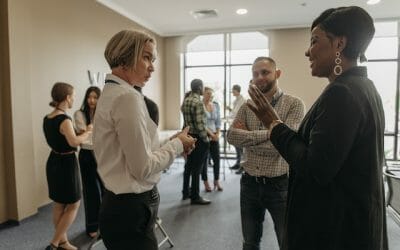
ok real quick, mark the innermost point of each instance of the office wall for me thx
(53, 41)
(7, 177)
(287, 47)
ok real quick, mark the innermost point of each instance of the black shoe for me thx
(235, 167)
(51, 247)
(200, 201)
(240, 171)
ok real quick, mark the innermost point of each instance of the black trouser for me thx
(258, 194)
(214, 153)
(193, 168)
(93, 189)
(239, 153)
(127, 220)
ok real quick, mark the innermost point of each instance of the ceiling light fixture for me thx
(373, 2)
(241, 11)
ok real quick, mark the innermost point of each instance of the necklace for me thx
(60, 109)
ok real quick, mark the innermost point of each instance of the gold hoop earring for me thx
(337, 70)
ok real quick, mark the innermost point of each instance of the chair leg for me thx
(167, 238)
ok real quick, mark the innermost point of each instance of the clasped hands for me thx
(188, 142)
(261, 107)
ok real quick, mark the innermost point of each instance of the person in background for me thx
(62, 166)
(129, 155)
(336, 192)
(213, 127)
(93, 188)
(194, 116)
(237, 103)
(151, 107)
(264, 183)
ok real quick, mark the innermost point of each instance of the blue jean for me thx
(256, 196)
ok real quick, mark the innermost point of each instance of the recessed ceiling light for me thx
(241, 11)
(372, 2)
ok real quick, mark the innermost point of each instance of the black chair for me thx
(392, 175)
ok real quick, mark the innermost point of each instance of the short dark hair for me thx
(236, 87)
(196, 85)
(352, 22)
(265, 58)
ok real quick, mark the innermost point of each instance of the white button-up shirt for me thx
(129, 155)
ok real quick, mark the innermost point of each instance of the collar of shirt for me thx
(118, 80)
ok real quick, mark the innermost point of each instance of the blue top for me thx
(213, 118)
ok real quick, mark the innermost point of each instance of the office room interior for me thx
(45, 41)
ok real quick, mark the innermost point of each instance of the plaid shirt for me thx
(194, 116)
(262, 159)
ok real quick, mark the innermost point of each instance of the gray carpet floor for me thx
(213, 227)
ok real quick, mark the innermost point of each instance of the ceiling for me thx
(173, 17)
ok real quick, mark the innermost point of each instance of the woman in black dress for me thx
(92, 186)
(62, 168)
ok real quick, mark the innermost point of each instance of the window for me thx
(383, 70)
(222, 60)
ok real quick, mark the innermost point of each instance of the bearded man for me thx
(264, 182)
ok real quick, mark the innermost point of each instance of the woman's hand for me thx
(261, 107)
(187, 141)
(89, 127)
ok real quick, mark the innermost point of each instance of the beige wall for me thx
(7, 176)
(54, 41)
(287, 47)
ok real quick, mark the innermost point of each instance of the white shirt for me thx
(129, 156)
(237, 103)
(80, 125)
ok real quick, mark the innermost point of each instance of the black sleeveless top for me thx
(56, 140)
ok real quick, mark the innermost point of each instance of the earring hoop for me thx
(337, 70)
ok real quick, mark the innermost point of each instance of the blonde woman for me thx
(129, 155)
(213, 125)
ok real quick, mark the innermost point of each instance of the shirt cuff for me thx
(177, 145)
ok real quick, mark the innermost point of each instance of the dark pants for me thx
(257, 195)
(127, 220)
(193, 168)
(239, 153)
(92, 189)
(214, 153)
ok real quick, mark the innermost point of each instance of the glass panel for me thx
(389, 147)
(212, 77)
(384, 75)
(383, 29)
(205, 58)
(206, 43)
(247, 46)
(247, 56)
(249, 40)
(240, 75)
(382, 48)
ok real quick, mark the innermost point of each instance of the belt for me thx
(63, 153)
(153, 193)
(265, 179)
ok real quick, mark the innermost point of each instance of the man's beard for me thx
(265, 88)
